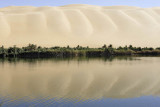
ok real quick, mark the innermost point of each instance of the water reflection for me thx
(79, 78)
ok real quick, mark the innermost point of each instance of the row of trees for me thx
(109, 50)
(130, 47)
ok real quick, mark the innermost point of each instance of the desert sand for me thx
(80, 24)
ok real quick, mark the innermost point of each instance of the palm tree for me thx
(130, 47)
(77, 47)
(31, 47)
(68, 47)
(14, 51)
(3, 51)
(104, 46)
(110, 46)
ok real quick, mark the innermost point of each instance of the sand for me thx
(80, 24)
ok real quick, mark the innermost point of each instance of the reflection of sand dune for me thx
(71, 24)
(86, 79)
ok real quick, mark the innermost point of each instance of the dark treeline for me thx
(34, 51)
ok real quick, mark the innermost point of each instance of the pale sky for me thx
(139, 3)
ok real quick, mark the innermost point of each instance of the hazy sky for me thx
(140, 3)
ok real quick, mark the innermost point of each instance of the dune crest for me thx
(80, 24)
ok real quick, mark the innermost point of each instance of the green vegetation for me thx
(34, 51)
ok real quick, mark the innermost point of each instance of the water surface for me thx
(82, 82)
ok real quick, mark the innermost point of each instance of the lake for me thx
(80, 82)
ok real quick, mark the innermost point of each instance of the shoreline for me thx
(34, 51)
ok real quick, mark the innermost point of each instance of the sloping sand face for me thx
(85, 25)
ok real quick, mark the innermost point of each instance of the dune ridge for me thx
(80, 24)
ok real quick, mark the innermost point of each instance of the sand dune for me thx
(80, 24)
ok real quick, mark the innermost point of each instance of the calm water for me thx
(80, 82)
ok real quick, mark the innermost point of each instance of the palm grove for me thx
(34, 51)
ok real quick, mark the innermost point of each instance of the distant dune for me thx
(80, 24)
